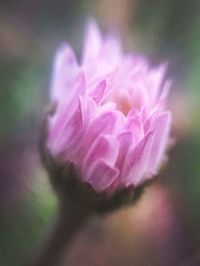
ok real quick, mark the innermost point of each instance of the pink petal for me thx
(109, 122)
(64, 72)
(92, 42)
(111, 50)
(102, 175)
(105, 147)
(78, 90)
(88, 109)
(65, 134)
(98, 92)
(137, 161)
(164, 93)
(125, 142)
(141, 97)
(66, 110)
(160, 141)
(155, 79)
(106, 123)
(134, 124)
(149, 123)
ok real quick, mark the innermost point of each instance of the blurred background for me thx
(164, 227)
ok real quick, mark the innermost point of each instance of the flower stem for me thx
(69, 221)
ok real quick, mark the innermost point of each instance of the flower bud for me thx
(108, 131)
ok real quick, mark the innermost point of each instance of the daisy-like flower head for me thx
(109, 120)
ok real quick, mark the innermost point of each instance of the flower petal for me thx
(125, 141)
(98, 92)
(106, 123)
(105, 147)
(160, 141)
(64, 72)
(102, 175)
(134, 124)
(65, 134)
(111, 51)
(137, 161)
(92, 43)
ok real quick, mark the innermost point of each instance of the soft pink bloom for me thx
(109, 120)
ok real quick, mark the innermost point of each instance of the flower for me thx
(109, 119)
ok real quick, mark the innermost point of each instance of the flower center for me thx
(123, 103)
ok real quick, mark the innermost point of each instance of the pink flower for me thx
(109, 119)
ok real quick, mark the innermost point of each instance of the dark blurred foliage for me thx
(163, 229)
